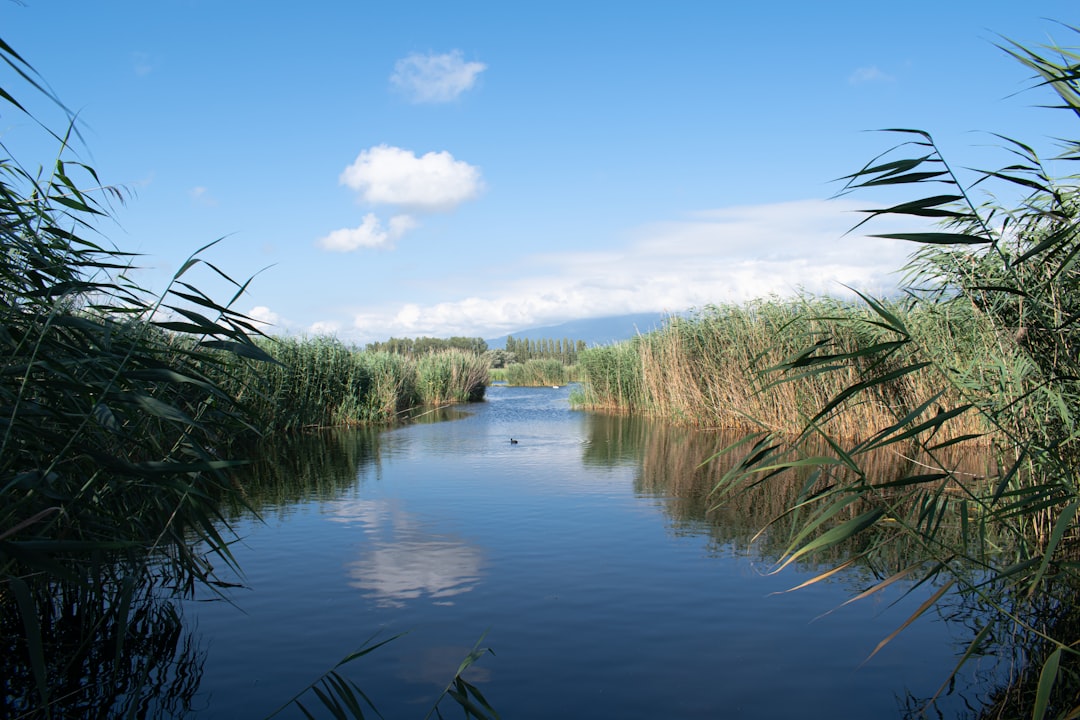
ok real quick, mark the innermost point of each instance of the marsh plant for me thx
(538, 373)
(320, 383)
(704, 369)
(113, 438)
(452, 376)
(1006, 542)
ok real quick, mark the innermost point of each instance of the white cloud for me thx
(385, 175)
(728, 255)
(868, 74)
(435, 78)
(263, 315)
(370, 234)
(324, 327)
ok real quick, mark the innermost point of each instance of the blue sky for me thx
(476, 168)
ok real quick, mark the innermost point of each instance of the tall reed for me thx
(538, 372)
(704, 370)
(451, 376)
(319, 382)
(114, 436)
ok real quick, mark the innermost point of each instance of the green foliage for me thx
(538, 373)
(1013, 266)
(342, 698)
(499, 359)
(427, 345)
(613, 374)
(451, 376)
(319, 383)
(564, 350)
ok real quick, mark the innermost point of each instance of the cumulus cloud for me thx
(867, 75)
(433, 182)
(324, 327)
(435, 78)
(263, 315)
(385, 175)
(371, 234)
(728, 255)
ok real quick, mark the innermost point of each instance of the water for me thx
(584, 556)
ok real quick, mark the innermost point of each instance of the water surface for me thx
(585, 556)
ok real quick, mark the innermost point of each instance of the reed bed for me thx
(706, 370)
(320, 383)
(538, 372)
(452, 376)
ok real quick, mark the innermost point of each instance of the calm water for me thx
(585, 553)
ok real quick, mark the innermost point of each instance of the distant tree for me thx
(501, 358)
(564, 349)
(427, 345)
(469, 344)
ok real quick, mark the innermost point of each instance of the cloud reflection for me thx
(402, 560)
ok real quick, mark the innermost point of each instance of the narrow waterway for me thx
(585, 555)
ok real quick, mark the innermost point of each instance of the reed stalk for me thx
(451, 376)
(705, 370)
(538, 372)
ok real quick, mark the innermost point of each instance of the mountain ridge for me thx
(594, 331)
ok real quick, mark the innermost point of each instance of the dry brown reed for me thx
(706, 370)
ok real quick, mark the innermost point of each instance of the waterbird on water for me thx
(513, 441)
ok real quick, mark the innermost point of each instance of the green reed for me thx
(114, 429)
(451, 376)
(538, 373)
(320, 382)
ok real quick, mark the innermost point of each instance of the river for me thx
(585, 555)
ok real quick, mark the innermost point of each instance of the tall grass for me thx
(704, 370)
(538, 373)
(451, 376)
(114, 433)
(613, 376)
(320, 383)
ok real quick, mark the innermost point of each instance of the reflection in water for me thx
(677, 467)
(401, 560)
(674, 466)
(591, 578)
(100, 663)
(320, 466)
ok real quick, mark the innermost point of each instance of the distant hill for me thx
(594, 331)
